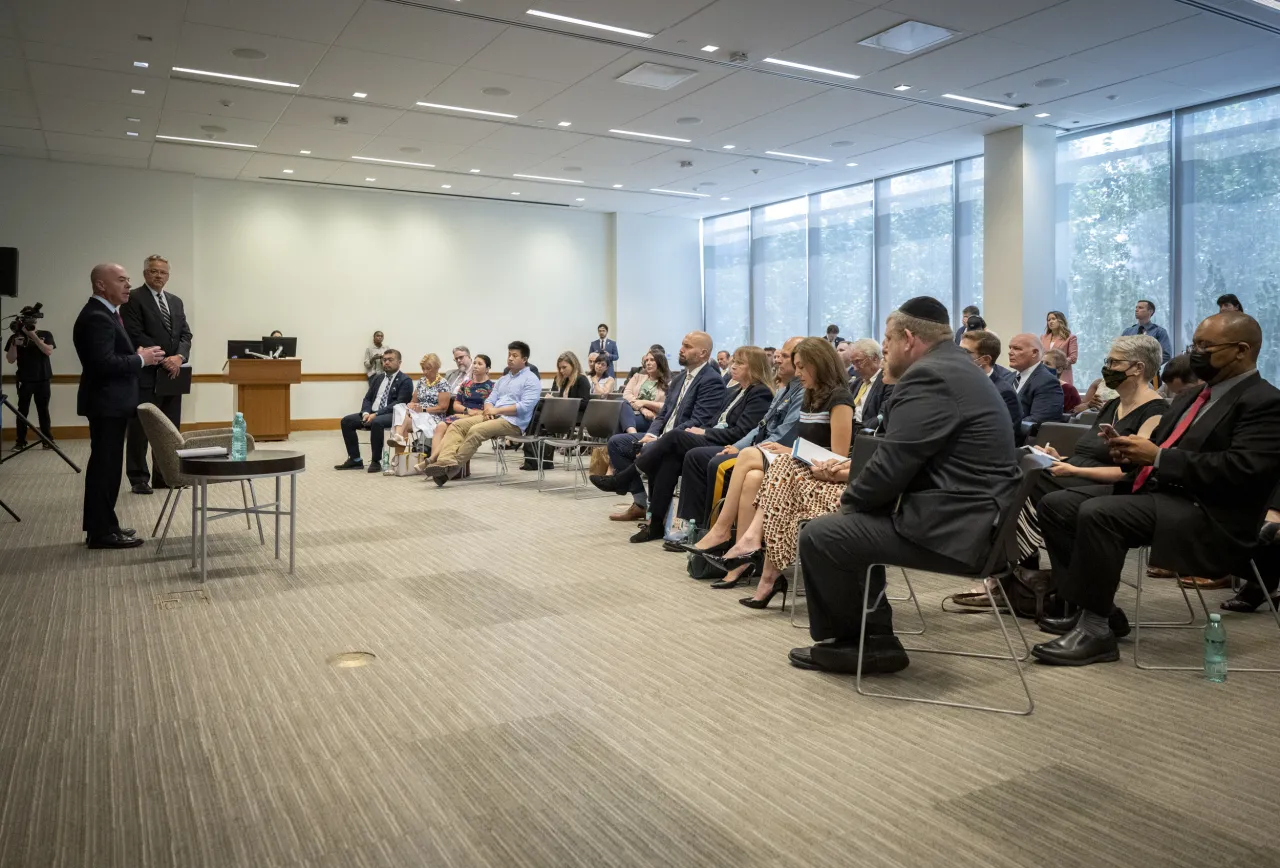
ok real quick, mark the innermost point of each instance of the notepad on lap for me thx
(810, 454)
(203, 452)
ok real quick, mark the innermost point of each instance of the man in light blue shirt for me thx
(506, 414)
(1144, 326)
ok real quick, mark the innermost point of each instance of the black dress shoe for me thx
(141, 488)
(722, 563)
(1117, 621)
(1077, 648)
(375, 467)
(349, 464)
(642, 535)
(1248, 599)
(883, 655)
(127, 531)
(604, 483)
(669, 546)
(114, 541)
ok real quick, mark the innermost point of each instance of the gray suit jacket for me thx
(947, 469)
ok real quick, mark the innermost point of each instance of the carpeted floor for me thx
(546, 694)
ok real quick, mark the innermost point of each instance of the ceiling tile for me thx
(491, 163)
(611, 152)
(838, 47)
(210, 99)
(160, 57)
(726, 103)
(1116, 96)
(196, 160)
(600, 102)
(959, 64)
(13, 73)
(808, 118)
(83, 83)
(971, 16)
(32, 140)
(650, 16)
(465, 88)
(1079, 77)
(205, 47)
(388, 177)
(107, 146)
(65, 115)
(93, 26)
(191, 124)
(333, 144)
(1239, 72)
(273, 166)
(918, 120)
(18, 109)
(9, 47)
(393, 148)
(1177, 44)
(433, 182)
(548, 56)
(387, 79)
(529, 140)
(1078, 25)
(860, 142)
(743, 173)
(26, 153)
(99, 159)
(761, 29)
(310, 20)
(432, 127)
(320, 113)
(419, 33)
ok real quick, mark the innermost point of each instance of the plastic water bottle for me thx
(1215, 650)
(239, 449)
(386, 457)
(691, 532)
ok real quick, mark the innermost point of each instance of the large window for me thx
(1112, 234)
(969, 215)
(779, 271)
(841, 244)
(1229, 210)
(914, 228)
(726, 262)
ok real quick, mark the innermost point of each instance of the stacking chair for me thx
(1062, 436)
(556, 426)
(1002, 552)
(1088, 417)
(166, 440)
(599, 423)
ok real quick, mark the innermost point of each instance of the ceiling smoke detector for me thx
(340, 121)
(738, 57)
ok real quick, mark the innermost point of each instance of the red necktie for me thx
(119, 318)
(1183, 424)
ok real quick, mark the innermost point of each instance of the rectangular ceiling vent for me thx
(657, 76)
(908, 37)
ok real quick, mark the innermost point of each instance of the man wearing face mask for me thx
(1196, 492)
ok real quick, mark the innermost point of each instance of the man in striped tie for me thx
(1196, 492)
(154, 317)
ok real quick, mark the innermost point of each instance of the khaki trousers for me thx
(465, 436)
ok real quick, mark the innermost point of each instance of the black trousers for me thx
(836, 550)
(102, 476)
(662, 462)
(1088, 532)
(40, 391)
(697, 478)
(377, 426)
(136, 453)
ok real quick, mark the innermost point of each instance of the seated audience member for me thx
(644, 393)
(569, 382)
(1136, 412)
(1196, 492)
(705, 465)
(833, 334)
(385, 391)
(1093, 398)
(1266, 555)
(1229, 301)
(1038, 388)
(468, 400)
(431, 401)
(984, 348)
(723, 360)
(865, 362)
(462, 368)
(875, 407)
(766, 543)
(1057, 361)
(661, 460)
(772, 354)
(1177, 377)
(506, 413)
(656, 350)
(695, 397)
(842, 350)
(970, 310)
(914, 504)
(600, 381)
(975, 323)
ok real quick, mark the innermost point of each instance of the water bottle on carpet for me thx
(1215, 649)
(239, 447)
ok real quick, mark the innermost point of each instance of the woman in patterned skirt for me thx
(430, 402)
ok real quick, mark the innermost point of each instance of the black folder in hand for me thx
(179, 385)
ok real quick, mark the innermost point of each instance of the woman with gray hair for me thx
(1128, 369)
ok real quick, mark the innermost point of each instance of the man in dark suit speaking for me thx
(108, 397)
(392, 388)
(154, 318)
(928, 498)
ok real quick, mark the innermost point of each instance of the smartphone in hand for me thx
(1107, 430)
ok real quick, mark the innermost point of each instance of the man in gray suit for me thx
(928, 499)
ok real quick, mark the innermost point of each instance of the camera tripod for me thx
(4, 401)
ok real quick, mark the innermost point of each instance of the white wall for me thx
(331, 266)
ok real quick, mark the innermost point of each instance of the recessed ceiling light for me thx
(902, 87)
(579, 200)
(513, 193)
(287, 171)
(728, 147)
(458, 108)
(616, 186)
(138, 91)
(371, 179)
(566, 19)
(710, 48)
(395, 162)
(565, 124)
(304, 152)
(134, 120)
(724, 198)
(679, 193)
(141, 64)
(130, 133)
(234, 77)
(805, 66)
(650, 136)
(446, 186)
(474, 171)
(249, 53)
(798, 156)
(1270, 4)
(359, 95)
(1043, 115)
(205, 142)
(907, 37)
(988, 103)
(546, 178)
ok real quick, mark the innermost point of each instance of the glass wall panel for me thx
(914, 231)
(779, 271)
(726, 262)
(841, 245)
(969, 214)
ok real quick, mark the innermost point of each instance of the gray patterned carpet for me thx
(546, 694)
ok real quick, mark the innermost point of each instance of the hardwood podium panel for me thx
(262, 394)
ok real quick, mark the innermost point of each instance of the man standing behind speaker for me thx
(108, 397)
(154, 318)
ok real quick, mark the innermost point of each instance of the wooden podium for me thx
(262, 394)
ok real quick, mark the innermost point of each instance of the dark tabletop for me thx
(260, 462)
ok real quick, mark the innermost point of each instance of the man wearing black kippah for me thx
(928, 498)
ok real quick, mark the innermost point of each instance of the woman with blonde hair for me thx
(431, 400)
(1057, 336)
(769, 486)
(569, 382)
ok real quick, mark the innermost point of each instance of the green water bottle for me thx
(1215, 650)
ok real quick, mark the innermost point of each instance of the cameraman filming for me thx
(30, 349)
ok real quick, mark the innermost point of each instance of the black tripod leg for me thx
(4, 399)
(6, 508)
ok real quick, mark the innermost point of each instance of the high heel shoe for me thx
(779, 585)
(749, 573)
(692, 548)
(720, 562)
(1248, 599)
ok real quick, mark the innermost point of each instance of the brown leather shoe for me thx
(1204, 583)
(1157, 573)
(631, 513)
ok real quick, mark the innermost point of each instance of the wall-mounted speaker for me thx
(9, 271)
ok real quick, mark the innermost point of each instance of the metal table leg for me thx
(195, 499)
(277, 518)
(293, 515)
(204, 529)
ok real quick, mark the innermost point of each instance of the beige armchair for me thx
(166, 440)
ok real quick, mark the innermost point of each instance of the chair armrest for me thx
(216, 437)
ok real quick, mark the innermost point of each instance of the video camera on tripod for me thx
(26, 319)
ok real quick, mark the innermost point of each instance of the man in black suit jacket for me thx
(984, 348)
(1038, 388)
(695, 397)
(944, 473)
(154, 317)
(108, 398)
(1196, 492)
(392, 387)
